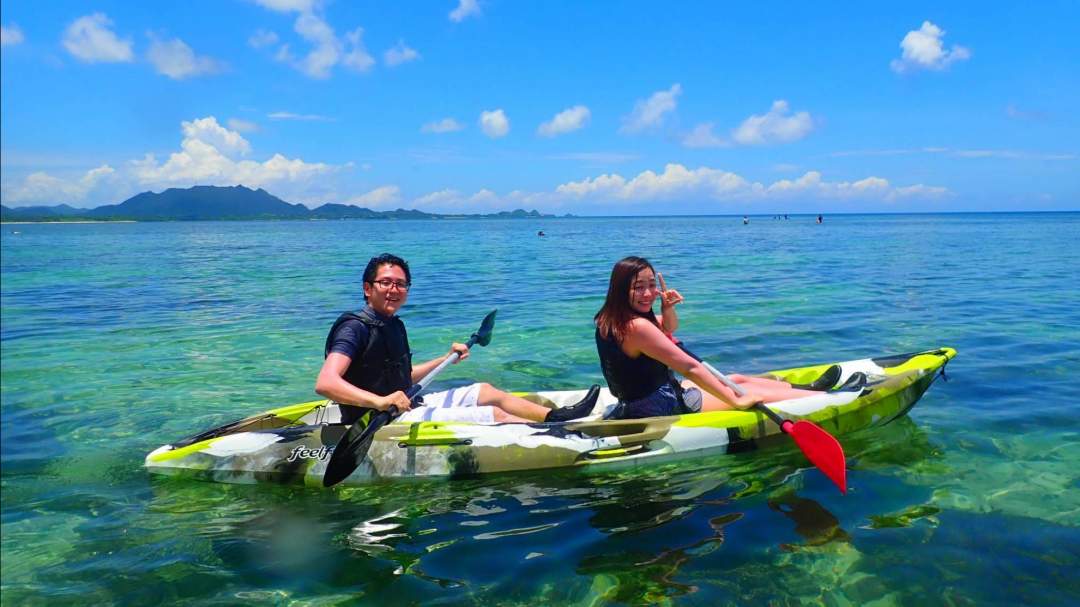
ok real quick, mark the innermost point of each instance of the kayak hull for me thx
(292, 445)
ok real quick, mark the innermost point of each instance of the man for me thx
(369, 364)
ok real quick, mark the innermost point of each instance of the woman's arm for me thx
(669, 298)
(646, 338)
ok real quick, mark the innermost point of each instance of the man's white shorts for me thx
(453, 405)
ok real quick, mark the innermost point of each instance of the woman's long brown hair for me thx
(615, 315)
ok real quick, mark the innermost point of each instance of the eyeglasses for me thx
(643, 287)
(386, 283)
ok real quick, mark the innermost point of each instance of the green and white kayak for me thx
(293, 444)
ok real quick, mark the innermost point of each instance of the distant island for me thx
(213, 203)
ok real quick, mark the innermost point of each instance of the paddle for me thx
(354, 445)
(820, 447)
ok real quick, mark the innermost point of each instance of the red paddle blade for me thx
(822, 449)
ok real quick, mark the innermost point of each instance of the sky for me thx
(590, 108)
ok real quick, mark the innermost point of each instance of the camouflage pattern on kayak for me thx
(293, 444)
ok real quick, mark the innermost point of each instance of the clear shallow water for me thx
(117, 338)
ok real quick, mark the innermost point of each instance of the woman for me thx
(637, 354)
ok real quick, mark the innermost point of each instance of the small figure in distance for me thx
(541, 234)
(745, 220)
(820, 219)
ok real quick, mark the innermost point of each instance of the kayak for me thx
(292, 445)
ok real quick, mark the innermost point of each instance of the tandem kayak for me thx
(292, 445)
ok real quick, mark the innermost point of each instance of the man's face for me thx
(388, 291)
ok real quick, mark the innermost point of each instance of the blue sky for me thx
(592, 108)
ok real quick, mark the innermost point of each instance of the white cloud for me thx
(263, 38)
(446, 125)
(205, 159)
(300, 117)
(494, 123)
(289, 6)
(327, 49)
(208, 131)
(465, 8)
(566, 121)
(400, 54)
(10, 35)
(379, 197)
(679, 182)
(436, 198)
(649, 113)
(242, 126)
(89, 39)
(175, 59)
(43, 188)
(603, 157)
(356, 56)
(777, 126)
(922, 49)
(703, 137)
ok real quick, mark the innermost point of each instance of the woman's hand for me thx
(668, 297)
(747, 401)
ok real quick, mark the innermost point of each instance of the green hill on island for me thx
(208, 203)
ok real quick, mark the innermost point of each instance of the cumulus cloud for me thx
(10, 35)
(446, 125)
(175, 59)
(263, 38)
(649, 113)
(327, 49)
(379, 197)
(566, 121)
(42, 188)
(465, 9)
(922, 49)
(703, 137)
(90, 39)
(679, 182)
(777, 126)
(494, 123)
(356, 56)
(207, 156)
(400, 54)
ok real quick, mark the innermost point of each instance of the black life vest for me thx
(630, 379)
(385, 365)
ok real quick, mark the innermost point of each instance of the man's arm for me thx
(419, 371)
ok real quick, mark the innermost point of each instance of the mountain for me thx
(206, 202)
(202, 202)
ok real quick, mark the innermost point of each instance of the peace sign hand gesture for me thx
(668, 297)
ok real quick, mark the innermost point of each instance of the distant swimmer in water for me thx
(541, 234)
(819, 219)
(745, 220)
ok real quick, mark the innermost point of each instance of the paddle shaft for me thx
(783, 423)
(427, 379)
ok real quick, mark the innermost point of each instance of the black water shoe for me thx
(856, 382)
(577, 410)
(827, 380)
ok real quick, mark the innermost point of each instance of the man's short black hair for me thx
(386, 258)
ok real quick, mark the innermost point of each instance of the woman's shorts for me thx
(663, 402)
(453, 405)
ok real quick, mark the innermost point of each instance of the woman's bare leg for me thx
(770, 391)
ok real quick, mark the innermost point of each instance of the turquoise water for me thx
(117, 338)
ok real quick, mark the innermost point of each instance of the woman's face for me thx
(643, 291)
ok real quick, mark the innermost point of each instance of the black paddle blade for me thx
(483, 334)
(353, 448)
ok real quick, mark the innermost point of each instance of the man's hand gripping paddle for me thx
(353, 446)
